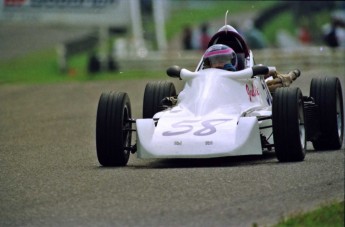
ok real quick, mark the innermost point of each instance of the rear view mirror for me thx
(174, 71)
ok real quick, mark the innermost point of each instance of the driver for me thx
(220, 56)
(216, 56)
(223, 57)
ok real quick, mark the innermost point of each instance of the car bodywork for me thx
(216, 115)
(221, 113)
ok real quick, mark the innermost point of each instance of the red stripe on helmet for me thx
(218, 52)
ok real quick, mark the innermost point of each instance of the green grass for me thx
(42, 67)
(34, 67)
(180, 18)
(330, 215)
(286, 22)
(283, 21)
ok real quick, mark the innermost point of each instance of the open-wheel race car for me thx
(221, 113)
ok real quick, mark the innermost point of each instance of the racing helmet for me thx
(220, 56)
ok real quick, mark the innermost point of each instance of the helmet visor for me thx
(219, 58)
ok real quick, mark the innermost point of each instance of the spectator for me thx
(334, 33)
(204, 36)
(187, 38)
(253, 36)
(304, 35)
(94, 64)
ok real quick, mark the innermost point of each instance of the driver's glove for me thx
(282, 80)
(169, 101)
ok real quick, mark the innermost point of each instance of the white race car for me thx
(221, 113)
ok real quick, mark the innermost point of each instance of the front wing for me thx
(198, 138)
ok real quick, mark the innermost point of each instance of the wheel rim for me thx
(127, 126)
(339, 115)
(301, 125)
(302, 134)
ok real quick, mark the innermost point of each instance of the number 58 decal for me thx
(186, 126)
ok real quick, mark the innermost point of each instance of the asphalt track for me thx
(50, 176)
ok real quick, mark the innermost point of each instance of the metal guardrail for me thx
(72, 47)
(303, 57)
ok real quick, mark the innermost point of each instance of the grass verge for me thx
(42, 67)
(330, 215)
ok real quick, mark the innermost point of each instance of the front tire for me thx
(154, 93)
(288, 125)
(113, 129)
(327, 94)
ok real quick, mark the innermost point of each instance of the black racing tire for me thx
(153, 95)
(113, 129)
(327, 94)
(288, 125)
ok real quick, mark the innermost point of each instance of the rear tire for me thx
(153, 95)
(288, 125)
(113, 129)
(327, 94)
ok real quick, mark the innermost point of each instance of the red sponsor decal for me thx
(252, 91)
